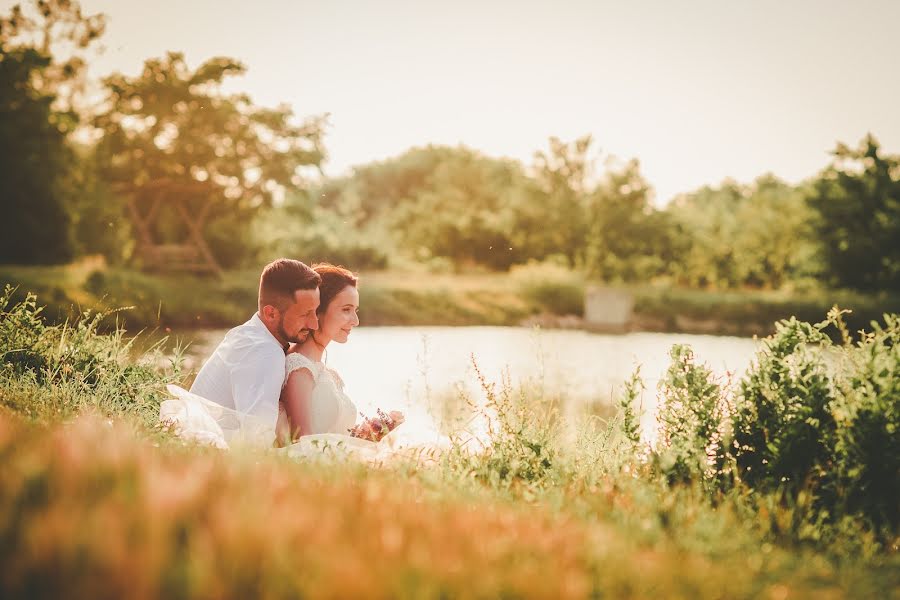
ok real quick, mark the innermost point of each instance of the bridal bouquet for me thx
(375, 428)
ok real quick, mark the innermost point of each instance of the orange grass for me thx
(92, 509)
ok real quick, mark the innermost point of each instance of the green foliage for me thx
(857, 200)
(52, 372)
(784, 424)
(735, 235)
(44, 46)
(61, 32)
(552, 220)
(867, 444)
(171, 133)
(36, 228)
(100, 225)
(465, 213)
(813, 426)
(521, 453)
(550, 287)
(318, 235)
(627, 239)
(691, 412)
(630, 421)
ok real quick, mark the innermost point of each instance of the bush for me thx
(550, 287)
(691, 412)
(814, 425)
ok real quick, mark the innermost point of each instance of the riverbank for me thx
(551, 297)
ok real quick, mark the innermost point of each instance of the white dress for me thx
(333, 413)
(331, 410)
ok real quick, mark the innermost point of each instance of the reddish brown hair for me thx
(334, 280)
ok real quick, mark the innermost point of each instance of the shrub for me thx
(691, 415)
(550, 287)
(814, 426)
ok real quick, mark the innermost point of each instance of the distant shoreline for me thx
(396, 298)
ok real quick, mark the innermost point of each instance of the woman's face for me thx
(340, 316)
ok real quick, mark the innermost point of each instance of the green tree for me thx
(172, 128)
(436, 202)
(60, 31)
(773, 239)
(375, 190)
(36, 227)
(857, 201)
(43, 50)
(627, 238)
(706, 221)
(757, 235)
(552, 218)
(465, 212)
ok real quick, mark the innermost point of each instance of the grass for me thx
(416, 298)
(97, 500)
(89, 509)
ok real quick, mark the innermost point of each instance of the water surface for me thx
(414, 369)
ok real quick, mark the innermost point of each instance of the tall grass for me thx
(95, 501)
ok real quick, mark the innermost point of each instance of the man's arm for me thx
(256, 385)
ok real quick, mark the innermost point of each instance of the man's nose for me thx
(313, 322)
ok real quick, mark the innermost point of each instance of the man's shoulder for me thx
(249, 338)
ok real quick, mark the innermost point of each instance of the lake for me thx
(416, 369)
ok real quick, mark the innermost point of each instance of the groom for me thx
(246, 370)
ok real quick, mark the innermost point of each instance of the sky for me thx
(696, 90)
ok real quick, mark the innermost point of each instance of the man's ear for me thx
(269, 313)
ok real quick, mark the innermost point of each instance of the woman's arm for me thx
(297, 399)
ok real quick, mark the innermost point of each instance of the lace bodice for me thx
(332, 411)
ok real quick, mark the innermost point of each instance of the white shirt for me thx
(245, 372)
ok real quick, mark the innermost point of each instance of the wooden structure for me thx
(191, 254)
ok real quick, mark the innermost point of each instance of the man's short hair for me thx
(281, 278)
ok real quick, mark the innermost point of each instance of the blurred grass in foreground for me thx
(89, 509)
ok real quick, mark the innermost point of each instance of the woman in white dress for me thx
(313, 400)
(315, 413)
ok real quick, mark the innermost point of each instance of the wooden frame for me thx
(192, 254)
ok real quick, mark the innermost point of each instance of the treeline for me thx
(456, 208)
(253, 175)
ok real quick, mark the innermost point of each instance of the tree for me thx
(58, 30)
(552, 218)
(36, 227)
(857, 201)
(172, 129)
(773, 241)
(465, 212)
(627, 239)
(42, 69)
(734, 235)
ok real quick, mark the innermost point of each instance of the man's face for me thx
(300, 318)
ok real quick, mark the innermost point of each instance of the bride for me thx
(313, 401)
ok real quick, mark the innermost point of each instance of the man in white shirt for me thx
(246, 370)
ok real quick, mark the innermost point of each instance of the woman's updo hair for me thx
(334, 280)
